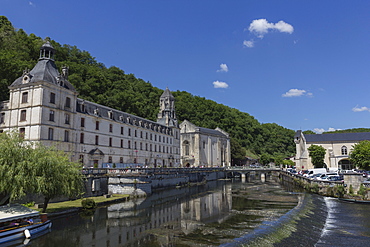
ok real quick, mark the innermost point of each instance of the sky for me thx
(304, 65)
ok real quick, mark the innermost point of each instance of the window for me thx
(68, 102)
(82, 138)
(81, 158)
(150, 147)
(110, 159)
(96, 140)
(135, 133)
(25, 97)
(344, 150)
(51, 134)
(22, 132)
(51, 116)
(204, 144)
(66, 136)
(155, 148)
(110, 141)
(111, 128)
(52, 98)
(120, 159)
(82, 122)
(146, 135)
(159, 138)
(97, 125)
(66, 119)
(151, 137)
(121, 143)
(129, 132)
(121, 130)
(141, 134)
(186, 147)
(129, 144)
(135, 146)
(2, 118)
(23, 115)
(141, 146)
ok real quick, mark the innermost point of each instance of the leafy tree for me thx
(28, 168)
(360, 155)
(15, 166)
(54, 175)
(288, 163)
(266, 159)
(317, 154)
(309, 132)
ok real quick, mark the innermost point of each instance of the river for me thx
(221, 213)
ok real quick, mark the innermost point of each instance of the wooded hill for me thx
(114, 88)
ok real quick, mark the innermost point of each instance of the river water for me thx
(221, 213)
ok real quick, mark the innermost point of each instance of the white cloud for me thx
(359, 109)
(220, 84)
(261, 27)
(223, 68)
(296, 93)
(248, 43)
(31, 3)
(320, 131)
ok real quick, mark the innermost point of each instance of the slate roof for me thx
(211, 132)
(45, 71)
(338, 137)
(167, 93)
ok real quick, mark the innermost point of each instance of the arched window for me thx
(186, 148)
(344, 150)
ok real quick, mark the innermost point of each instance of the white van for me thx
(315, 171)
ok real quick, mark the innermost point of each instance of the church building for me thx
(202, 147)
(44, 107)
(338, 146)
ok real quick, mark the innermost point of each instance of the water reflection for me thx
(207, 215)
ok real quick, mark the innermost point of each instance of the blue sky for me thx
(300, 64)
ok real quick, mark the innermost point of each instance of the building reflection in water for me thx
(140, 222)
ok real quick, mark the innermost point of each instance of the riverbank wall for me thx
(141, 183)
(352, 185)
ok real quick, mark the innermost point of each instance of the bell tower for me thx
(167, 112)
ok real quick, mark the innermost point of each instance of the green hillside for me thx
(114, 88)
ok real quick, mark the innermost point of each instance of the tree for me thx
(15, 166)
(54, 175)
(317, 154)
(360, 155)
(34, 168)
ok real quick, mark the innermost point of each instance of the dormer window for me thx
(26, 79)
(110, 114)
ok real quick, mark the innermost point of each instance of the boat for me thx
(18, 222)
(353, 200)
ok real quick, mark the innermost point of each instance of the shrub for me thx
(88, 204)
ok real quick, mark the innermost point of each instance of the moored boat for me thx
(19, 222)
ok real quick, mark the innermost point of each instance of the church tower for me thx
(167, 113)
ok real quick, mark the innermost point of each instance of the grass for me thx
(67, 205)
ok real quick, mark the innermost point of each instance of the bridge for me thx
(246, 171)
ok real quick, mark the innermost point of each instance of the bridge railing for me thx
(146, 171)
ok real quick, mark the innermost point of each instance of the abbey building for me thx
(43, 106)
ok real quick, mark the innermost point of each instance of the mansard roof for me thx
(338, 137)
(44, 71)
(105, 112)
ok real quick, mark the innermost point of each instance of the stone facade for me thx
(337, 145)
(202, 147)
(45, 108)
